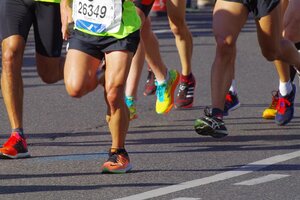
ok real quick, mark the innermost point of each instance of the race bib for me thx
(98, 16)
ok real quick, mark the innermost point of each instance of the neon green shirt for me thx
(131, 22)
(49, 1)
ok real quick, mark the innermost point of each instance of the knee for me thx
(179, 27)
(11, 61)
(47, 76)
(225, 47)
(271, 53)
(49, 69)
(114, 98)
(74, 88)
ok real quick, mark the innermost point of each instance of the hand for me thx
(66, 18)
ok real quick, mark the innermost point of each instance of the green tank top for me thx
(130, 22)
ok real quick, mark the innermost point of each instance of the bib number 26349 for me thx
(98, 16)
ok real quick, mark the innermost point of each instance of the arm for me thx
(66, 17)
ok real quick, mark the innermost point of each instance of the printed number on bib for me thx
(98, 16)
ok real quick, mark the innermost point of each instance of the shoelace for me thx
(282, 104)
(117, 159)
(10, 141)
(214, 123)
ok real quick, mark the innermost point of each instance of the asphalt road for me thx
(68, 138)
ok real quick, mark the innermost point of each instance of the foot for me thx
(118, 162)
(185, 95)
(285, 108)
(14, 147)
(165, 93)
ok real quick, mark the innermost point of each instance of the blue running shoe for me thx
(285, 108)
(231, 103)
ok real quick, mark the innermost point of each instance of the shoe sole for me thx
(183, 107)
(268, 117)
(19, 155)
(121, 171)
(204, 129)
(284, 122)
(172, 95)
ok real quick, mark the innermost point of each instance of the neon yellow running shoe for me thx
(270, 112)
(130, 102)
(165, 93)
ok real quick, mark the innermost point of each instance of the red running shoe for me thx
(14, 147)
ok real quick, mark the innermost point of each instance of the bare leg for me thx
(183, 37)
(80, 73)
(228, 20)
(11, 79)
(118, 64)
(50, 69)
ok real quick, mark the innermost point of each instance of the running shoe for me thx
(210, 125)
(150, 86)
(118, 162)
(270, 112)
(285, 108)
(231, 103)
(130, 102)
(165, 93)
(185, 95)
(14, 147)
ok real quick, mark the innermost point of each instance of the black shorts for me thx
(259, 8)
(17, 17)
(96, 46)
(144, 5)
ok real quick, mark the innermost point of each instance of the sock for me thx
(19, 131)
(233, 88)
(285, 88)
(218, 113)
(160, 82)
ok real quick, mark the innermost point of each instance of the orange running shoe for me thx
(118, 162)
(14, 147)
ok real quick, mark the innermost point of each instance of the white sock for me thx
(160, 82)
(233, 88)
(285, 88)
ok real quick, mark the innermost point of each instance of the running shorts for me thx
(259, 8)
(144, 5)
(96, 46)
(17, 17)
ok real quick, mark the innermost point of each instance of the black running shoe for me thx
(210, 126)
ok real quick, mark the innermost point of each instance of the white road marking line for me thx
(246, 169)
(263, 179)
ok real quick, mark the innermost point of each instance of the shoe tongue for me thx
(16, 134)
